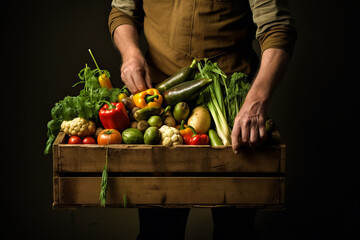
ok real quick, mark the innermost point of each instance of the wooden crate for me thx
(180, 176)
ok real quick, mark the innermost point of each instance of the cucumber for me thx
(145, 113)
(215, 140)
(178, 77)
(186, 91)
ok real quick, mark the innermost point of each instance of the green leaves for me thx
(84, 107)
(238, 86)
(89, 78)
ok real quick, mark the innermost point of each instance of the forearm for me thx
(249, 124)
(134, 70)
(272, 67)
(126, 39)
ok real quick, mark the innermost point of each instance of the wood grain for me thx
(174, 190)
(182, 158)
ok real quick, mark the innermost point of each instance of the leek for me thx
(212, 98)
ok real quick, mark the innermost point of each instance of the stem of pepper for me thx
(193, 64)
(193, 130)
(150, 98)
(182, 127)
(109, 104)
(168, 108)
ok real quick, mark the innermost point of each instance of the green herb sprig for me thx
(104, 180)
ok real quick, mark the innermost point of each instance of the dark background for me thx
(44, 46)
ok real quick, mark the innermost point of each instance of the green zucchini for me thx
(215, 140)
(185, 91)
(178, 77)
(145, 113)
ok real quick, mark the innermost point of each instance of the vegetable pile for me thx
(197, 105)
(86, 105)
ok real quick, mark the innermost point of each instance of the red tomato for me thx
(109, 136)
(74, 140)
(88, 140)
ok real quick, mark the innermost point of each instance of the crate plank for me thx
(59, 139)
(173, 191)
(182, 158)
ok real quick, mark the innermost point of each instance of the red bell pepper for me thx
(114, 116)
(195, 138)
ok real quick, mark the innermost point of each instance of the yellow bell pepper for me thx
(104, 79)
(122, 96)
(148, 98)
(184, 129)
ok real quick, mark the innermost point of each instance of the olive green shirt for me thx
(178, 31)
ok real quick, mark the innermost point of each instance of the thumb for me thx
(235, 136)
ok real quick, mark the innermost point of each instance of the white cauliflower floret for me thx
(170, 136)
(78, 127)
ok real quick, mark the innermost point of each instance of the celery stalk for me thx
(222, 127)
(219, 118)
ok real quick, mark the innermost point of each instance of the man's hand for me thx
(135, 73)
(134, 70)
(249, 125)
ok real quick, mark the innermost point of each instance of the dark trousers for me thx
(170, 223)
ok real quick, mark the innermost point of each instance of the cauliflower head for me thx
(78, 127)
(170, 136)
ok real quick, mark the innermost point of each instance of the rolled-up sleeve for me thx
(125, 12)
(275, 25)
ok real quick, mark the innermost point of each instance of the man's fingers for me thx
(148, 81)
(135, 75)
(147, 78)
(245, 132)
(235, 135)
(129, 83)
(262, 129)
(254, 130)
(139, 81)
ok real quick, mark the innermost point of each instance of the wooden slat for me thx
(173, 191)
(282, 158)
(55, 149)
(155, 158)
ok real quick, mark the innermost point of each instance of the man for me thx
(221, 30)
